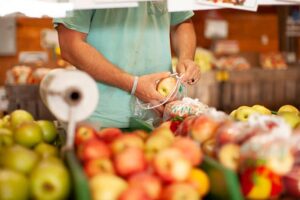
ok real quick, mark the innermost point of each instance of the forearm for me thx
(87, 58)
(183, 39)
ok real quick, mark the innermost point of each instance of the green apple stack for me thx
(29, 164)
(290, 114)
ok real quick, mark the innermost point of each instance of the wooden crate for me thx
(27, 97)
(271, 88)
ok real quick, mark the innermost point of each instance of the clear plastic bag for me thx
(147, 112)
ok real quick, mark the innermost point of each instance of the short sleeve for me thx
(79, 20)
(178, 17)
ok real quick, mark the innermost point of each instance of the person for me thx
(127, 49)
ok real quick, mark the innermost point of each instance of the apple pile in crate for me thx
(138, 165)
(261, 147)
(30, 167)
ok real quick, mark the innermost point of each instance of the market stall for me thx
(232, 135)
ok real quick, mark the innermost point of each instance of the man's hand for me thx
(146, 89)
(190, 71)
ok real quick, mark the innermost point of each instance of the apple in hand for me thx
(84, 133)
(17, 117)
(48, 129)
(171, 165)
(19, 158)
(109, 134)
(28, 134)
(166, 86)
(13, 185)
(93, 149)
(177, 191)
(107, 186)
(150, 183)
(129, 161)
(50, 180)
(190, 149)
(98, 166)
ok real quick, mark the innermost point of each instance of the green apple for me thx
(262, 109)
(13, 185)
(18, 158)
(288, 108)
(28, 134)
(17, 117)
(5, 122)
(243, 113)
(6, 137)
(46, 150)
(49, 130)
(50, 181)
(166, 86)
(291, 118)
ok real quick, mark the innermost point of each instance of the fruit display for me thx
(30, 166)
(137, 165)
(23, 74)
(232, 63)
(258, 144)
(272, 61)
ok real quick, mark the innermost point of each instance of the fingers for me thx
(192, 72)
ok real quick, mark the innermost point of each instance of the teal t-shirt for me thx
(137, 40)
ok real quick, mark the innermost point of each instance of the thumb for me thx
(161, 75)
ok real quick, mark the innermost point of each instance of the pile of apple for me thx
(289, 113)
(137, 165)
(254, 143)
(30, 167)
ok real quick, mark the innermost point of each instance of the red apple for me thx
(126, 141)
(209, 146)
(134, 193)
(203, 128)
(156, 143)
(165, 131)
(151, 184)
(166, 86)
(142, 134)
(260, 183)
(129, 161)
(185, 126)
(171, 165)
(84, 133)
(98, 166)
(93, 149)
(190, 149)
(178, 191)
(291, 182)
(109, 134)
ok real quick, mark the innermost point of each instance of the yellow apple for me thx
(262, 109)
(166, 86)
(243, 113)
(288, 108)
